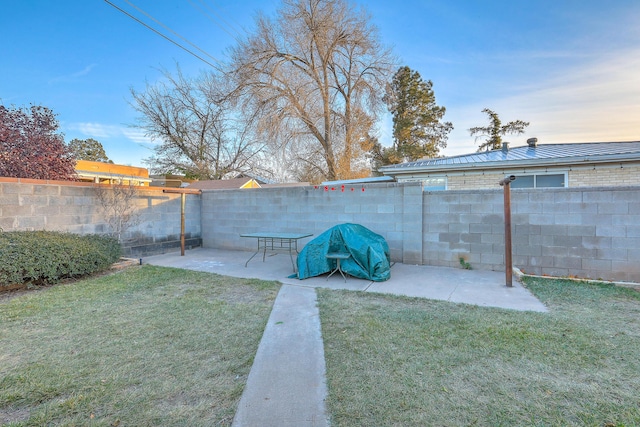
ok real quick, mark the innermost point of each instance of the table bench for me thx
(274, 242)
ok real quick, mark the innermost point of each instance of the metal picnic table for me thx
(276, 242)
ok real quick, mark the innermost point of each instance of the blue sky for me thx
(569, 67)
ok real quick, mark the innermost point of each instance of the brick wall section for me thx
(609, 175)
(591, 232)
(584, 232)
(612, 176)
(481, 181)
(392, 210)
(73, 207)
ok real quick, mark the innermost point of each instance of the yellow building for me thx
(109, 173)
(225, 184)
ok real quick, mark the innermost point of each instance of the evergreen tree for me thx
(417, 127)
(494, 132)
(88, 149)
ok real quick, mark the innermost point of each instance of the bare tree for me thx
(315, 76)
(117, 205)
(201, 133)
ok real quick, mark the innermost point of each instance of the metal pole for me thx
(183, 198)
(507, 229)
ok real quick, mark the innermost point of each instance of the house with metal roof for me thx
(534, 165)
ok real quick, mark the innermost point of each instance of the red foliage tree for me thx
(30, 146)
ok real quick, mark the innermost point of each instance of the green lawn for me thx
(394, 361)
(153, 346)
(147, 346)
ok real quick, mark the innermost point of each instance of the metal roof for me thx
(539, 155)
(367, 180)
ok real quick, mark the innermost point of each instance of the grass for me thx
(147, 346)
(395, 361)
(155, 346)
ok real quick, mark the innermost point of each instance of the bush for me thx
(46, 257)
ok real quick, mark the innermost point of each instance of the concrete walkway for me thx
(286, 385)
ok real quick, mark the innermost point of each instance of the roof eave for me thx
(563, 161)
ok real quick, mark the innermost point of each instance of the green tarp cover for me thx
(369, 253)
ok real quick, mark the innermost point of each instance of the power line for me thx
(219, 18)
(166, 37)
(169, 29)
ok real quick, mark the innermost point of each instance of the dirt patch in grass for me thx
(13, 416)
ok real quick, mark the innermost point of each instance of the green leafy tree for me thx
(382, 156)
(88, 149)
(494, 132)
(418, 129)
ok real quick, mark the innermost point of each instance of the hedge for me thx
(45, 257)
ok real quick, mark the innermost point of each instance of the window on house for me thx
(540, 181)
(437, 183)
(434, 183)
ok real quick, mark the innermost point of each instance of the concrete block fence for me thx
(586, 232)
(392, 210)
(583, 232)
(74, 207)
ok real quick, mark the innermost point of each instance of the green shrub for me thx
(46, 257)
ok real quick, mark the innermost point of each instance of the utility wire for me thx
(217, 67)
(230, 27)
(169, 29)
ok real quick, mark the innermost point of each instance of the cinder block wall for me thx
(73, 207)
(391, 210)
(584, 232)
(464, 224)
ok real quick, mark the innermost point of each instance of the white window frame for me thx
(425, 182)
(536, 174)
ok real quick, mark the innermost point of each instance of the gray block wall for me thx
(74, 208)
(584, 232)
(587, 232)
(592, 232)
(391, 210)
(464, 224)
